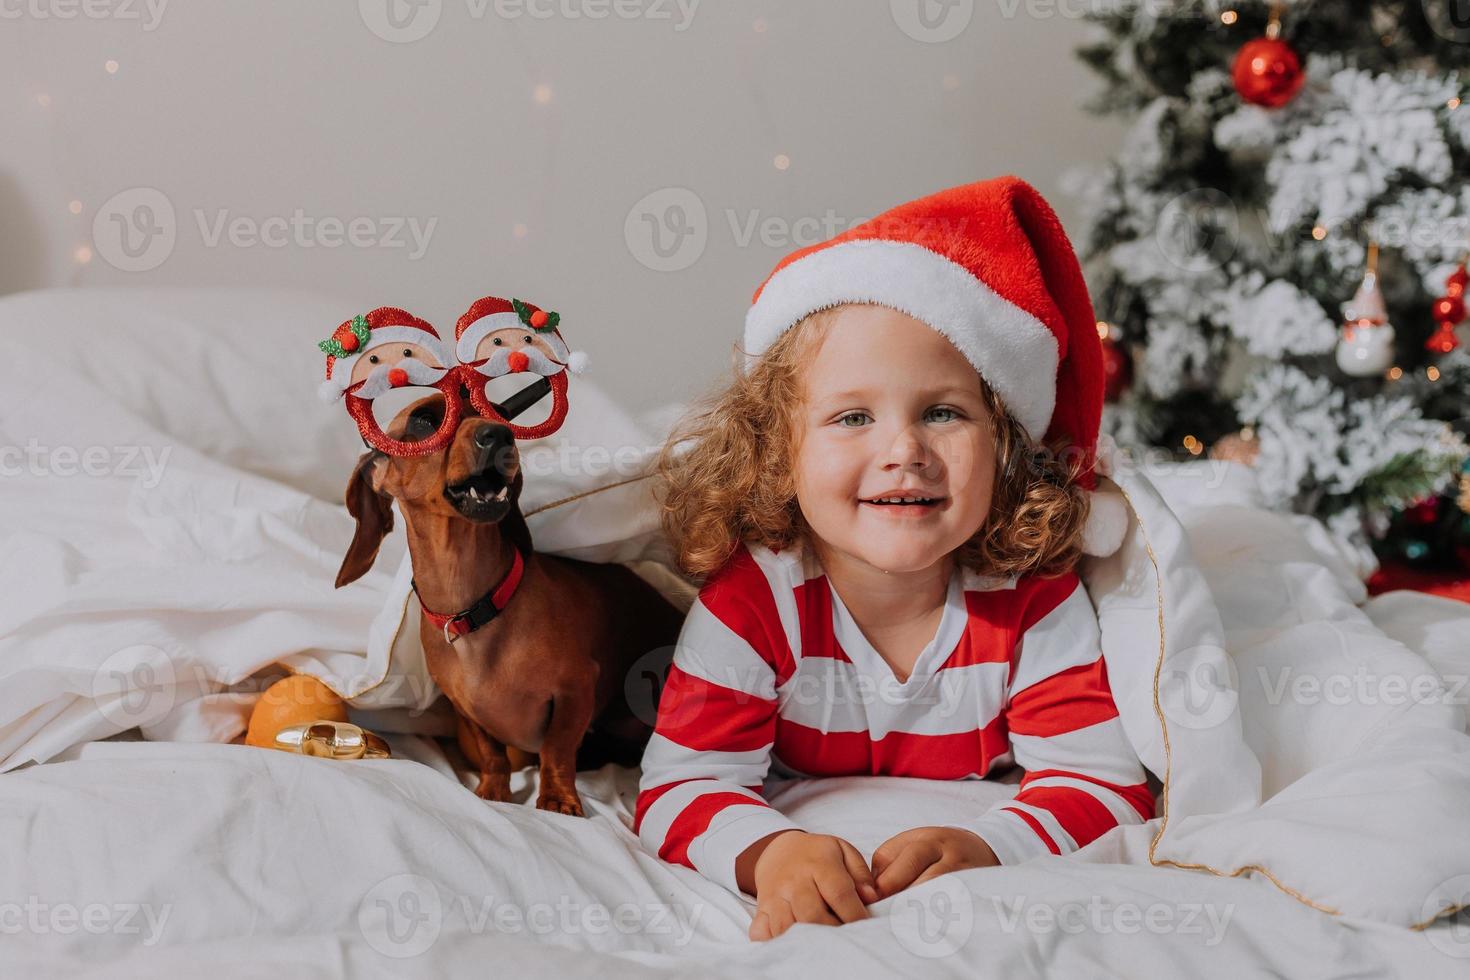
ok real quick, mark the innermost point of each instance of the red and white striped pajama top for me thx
(772, 676)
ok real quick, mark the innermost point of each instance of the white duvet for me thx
(158, 596)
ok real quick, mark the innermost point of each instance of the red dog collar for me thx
(486, 608)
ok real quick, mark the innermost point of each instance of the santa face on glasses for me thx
(386, 349)
(497, 337)
(516, 349)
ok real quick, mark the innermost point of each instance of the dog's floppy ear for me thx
(373, 512)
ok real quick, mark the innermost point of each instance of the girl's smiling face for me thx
(892, 408)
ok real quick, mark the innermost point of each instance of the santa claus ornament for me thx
(390, 348)
(498, 337)
(1366, 345)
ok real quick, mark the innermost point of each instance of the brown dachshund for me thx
(550, 663)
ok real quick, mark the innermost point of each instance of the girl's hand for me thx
(802, 877)
(927, 852)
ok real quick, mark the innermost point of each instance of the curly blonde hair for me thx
(725, 475)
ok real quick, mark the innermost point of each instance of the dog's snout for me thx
(492, 447)
(491, 437)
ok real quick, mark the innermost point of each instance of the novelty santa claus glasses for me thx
(390, 348)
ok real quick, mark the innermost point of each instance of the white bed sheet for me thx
(226, 861)
(262, 864)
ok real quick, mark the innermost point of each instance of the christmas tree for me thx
(1276, 254)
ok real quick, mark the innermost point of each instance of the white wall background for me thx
(522, 138)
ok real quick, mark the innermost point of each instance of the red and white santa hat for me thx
(385, 325)
(492, 313)
(989, 267)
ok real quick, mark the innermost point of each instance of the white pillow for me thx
(1164, 645)
(1365, 764)
(231, 373)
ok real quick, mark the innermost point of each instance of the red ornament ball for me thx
(539, 318)
(1450, 309)
(1268, 72)
(1443, 340)
(1117, 371)
(1422, 512)
(1455, 284)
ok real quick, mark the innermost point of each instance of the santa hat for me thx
(385, 325)
(989, 267)
(492, 313)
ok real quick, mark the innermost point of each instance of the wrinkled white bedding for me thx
(245, 862)
(156, 597)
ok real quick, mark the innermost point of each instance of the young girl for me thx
(887, 506)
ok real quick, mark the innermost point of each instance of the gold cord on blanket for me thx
(1168, 752)
(1169, 763)
(586, 493)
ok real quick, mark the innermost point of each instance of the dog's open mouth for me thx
(483, 497)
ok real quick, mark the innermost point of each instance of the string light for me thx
(1432, 373)
(43, 100)
(542, 94)
(1453, 103)
(519, 231)
(82, 255)
(1394, 373)
(75, 207)
(1229, 17)
(1103, 329)
(1248, 434)
(1319, 233)
(111, 67)
(1194, 446)
(782, 161)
